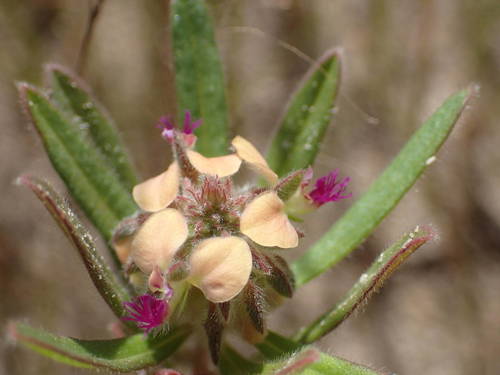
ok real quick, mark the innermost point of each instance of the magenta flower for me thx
(189, 125)
(167, 127)
(148, 311)
(328, 189)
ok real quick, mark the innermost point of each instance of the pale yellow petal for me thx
(122, 248)
(246, 151)
(221, 166)
(158, 192)
(158, 239)
(220, 267)
(265, 222)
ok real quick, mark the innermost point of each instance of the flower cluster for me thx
(197, 229)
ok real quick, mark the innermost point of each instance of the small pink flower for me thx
(329, 189)
(189, 125)
(326, 189)
(167, 127)
(148, 311)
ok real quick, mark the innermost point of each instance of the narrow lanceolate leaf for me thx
(307, 117)
(103, 278)
(71, 96)
(199, 80)
(369, 282)
(93, 185)
(383, 195)
(310, 361)
(123, 355)
(233, 363)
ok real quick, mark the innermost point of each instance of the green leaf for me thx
(233, 363)
(310, 361)
(94, 186)
(307, 117)
(123, 355)
(199, 80)
(69, 93)
(369, 282)
(329, 365)
(275, 346)
(383, 195)
(103, 278)
(288, 356)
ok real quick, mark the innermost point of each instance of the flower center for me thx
(212, 207)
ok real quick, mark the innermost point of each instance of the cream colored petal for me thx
(158, 192)
(251, 155)
(158, 239)
(220, 267)
(221, 166)
(265, 222)
(122, 248)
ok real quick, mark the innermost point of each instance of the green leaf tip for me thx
(122, 355)
(307, 116)
(331, 365)
(296, 363)
(74, 97)
(199, 77)
(383, 195)
(311, 361)
(369, 282)
(94, 186)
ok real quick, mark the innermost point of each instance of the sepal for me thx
(214, 327)
(288, 185)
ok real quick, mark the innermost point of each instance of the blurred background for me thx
(438, 315)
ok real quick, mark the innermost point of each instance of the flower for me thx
(189, 125)
(148, 311)
(197, 228)
(167, 127)
(328, 189)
